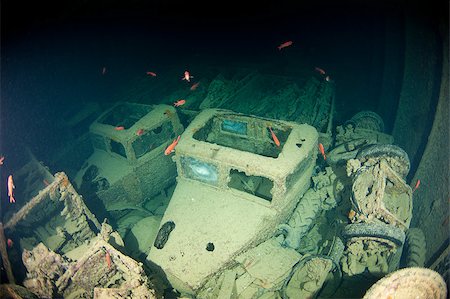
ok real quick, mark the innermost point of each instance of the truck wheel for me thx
(400, 163)
(415, 248)
(379, 230)
(367, 120)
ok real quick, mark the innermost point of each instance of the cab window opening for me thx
(252, 184)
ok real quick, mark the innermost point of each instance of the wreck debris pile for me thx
(363, 129)
(367, 169)
(71, 223)
(44, 268)
(382, 203)
(97, 264)
(63, 256)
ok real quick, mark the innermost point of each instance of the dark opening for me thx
(210, 246)
(255, 185)
(118, 148)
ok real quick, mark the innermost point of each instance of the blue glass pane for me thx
(236, 127)
(199, 170)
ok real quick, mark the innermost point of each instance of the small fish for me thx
(108, 259)
(171, 147)
(322, 151)
(327, 78)
(10, 243)
(121, 128)
(140, 132)
(319, 70)
(285, 44)
(416, 186)
(46, 183)
(187, 76)
(10, 189)
(104, 70)
(194, 87)
(179, 103)
(1, 160)
(274, 137)
(351, 214)
(151, 74)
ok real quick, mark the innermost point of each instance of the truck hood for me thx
(212, 226)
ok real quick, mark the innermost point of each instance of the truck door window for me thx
(118, 148)
(255, 185)
(199, 170)
(151, 139)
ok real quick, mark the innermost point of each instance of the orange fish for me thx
(285, 44)
(10, 189)
(108, 259)
(322, 151)
(416, 186)
(351, 214)
(140, 132)
(104, 70)
(121, 128)
(274, 137)
(10, 243)
(179, 103)
(1, 160)
(151, 74)
(187, 76)
(319, 70)
(171, 147)
(194, 87)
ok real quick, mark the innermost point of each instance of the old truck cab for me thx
(128, 163)
(235, 186)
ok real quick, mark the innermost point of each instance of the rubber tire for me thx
(390, 150)
(415, 248)
(383, 231)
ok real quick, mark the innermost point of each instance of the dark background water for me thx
(52, 53)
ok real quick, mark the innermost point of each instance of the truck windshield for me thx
(250, 134)
(125, 115)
